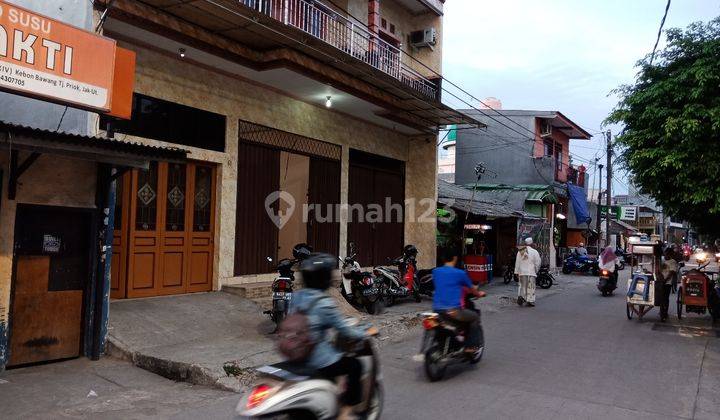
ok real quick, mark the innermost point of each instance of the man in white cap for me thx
(527, 265)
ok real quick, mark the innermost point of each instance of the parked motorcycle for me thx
(581, 264)
(544, 278)
(282, 287)
(444, 344)
(607, 281)
(359, 287)
(406, 280)
(288, 390)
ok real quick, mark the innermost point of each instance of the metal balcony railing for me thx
(324, 23)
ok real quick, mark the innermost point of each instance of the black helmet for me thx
(302, 251)
(317, 270)
(410, 251)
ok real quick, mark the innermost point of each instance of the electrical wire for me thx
(659, 34)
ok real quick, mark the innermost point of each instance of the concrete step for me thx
(250, 291)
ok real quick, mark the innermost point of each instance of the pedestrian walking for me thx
(527, 264)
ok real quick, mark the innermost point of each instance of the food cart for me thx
(697, 291)
(641, 284)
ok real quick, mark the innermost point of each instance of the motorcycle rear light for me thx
(605, 272)
(429, 323)
(368, 281)
(258, 395)
(281, 285)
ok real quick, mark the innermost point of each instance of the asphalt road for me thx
(574, 355)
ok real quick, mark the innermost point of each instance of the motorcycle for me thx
(444, 343)
(544, 278)
(288, 390)
(406, 280)
(622, 258)
(607, 281)
(282, 287)
(359, 287)
(580, 263)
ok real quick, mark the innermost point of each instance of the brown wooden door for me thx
(170, 228)
(52, 271)
(202, 216)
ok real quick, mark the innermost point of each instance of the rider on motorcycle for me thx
(323, 315)
(581, 250)
(451, 286)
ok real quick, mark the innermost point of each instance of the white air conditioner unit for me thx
(425, 38)
(545, 128)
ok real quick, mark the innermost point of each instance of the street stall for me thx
(646, 259)
(488, 229)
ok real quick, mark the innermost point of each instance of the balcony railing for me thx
(322, 22)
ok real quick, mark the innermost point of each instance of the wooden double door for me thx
(164, 227)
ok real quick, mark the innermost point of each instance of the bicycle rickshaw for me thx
(645, 262)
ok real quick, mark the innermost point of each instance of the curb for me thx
(176, 371)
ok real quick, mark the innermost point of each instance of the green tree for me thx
(671, 118)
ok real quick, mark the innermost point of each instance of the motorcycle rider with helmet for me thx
(323, 314)
(451, 286)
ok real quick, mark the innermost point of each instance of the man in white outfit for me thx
(527, 265)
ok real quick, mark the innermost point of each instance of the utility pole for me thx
(479, 171)
(599, 203)
(608, 199)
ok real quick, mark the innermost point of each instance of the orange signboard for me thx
(123, 84)
(47, 59)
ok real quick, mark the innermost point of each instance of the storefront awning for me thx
(97, 149)
(462, 199)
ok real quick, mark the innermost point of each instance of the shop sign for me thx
(628, 213)
(477, 227)
(46, 59)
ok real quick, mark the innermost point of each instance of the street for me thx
(575, 355)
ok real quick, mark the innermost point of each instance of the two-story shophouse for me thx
(287, 110)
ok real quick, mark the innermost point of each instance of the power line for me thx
(657, 40)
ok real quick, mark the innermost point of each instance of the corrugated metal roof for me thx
(96, 144)
(461, 198)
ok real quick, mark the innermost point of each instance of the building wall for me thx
(51, 181)
(500, 148)
(167, 77)
(405, 23)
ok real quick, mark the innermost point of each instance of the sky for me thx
(560, 55)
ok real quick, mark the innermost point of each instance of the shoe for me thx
(520, 300)
(530, 304)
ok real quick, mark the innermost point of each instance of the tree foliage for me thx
(671, 118)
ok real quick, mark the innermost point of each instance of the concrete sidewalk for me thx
(191, 337)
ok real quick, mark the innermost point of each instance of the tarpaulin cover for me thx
(579, 203)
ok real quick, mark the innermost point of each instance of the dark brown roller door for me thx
(374, 179)
(323, 227)
(256, 236)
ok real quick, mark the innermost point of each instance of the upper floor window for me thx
(547, 148)
(558, 157)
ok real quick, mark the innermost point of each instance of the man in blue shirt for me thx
(451, 286)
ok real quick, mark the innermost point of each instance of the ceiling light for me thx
(181, 51)
(328, 103)
(561, 216)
